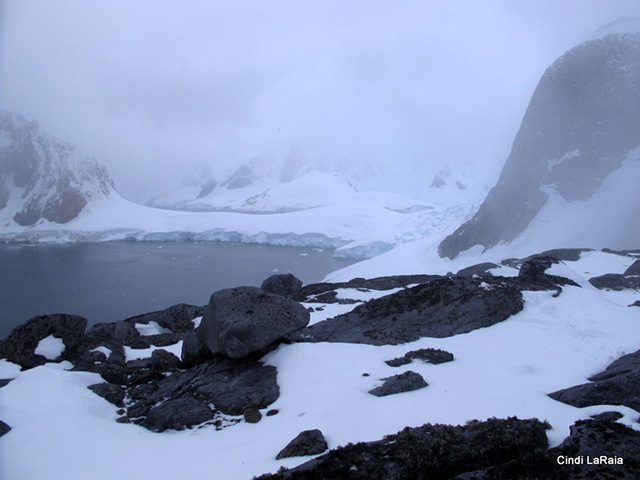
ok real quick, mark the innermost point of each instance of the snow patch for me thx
(50, 347)
(141, 353)
(151, 328)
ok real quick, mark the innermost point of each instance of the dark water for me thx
(112, 281)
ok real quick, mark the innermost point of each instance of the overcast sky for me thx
(152, 88)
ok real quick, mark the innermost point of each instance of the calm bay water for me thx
(112, 281)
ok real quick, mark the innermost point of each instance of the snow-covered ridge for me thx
(42, 177)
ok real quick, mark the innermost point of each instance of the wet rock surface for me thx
(619, 384)
(309, 442)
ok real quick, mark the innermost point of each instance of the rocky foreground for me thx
(218, 379)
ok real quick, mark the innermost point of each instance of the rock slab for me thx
(309, 442)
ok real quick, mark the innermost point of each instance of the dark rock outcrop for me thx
(619, 384)
(480, 269)
(440, 308)
(591, 439)
(221, 384)
(634, 268)
(309, 442)
(428, 355)
(312, 292)
(55, 181)
(615, 281)
(177, 414)
(19, 347)
(102, 349)
(430, 451)
(4, 428)
(242, 320)
(404, 382)
(284, 284)
(111, 393)
(578, 128)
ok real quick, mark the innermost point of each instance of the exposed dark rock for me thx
(309, 442)
(242, 320)
(252, 415)
(110, 392)
(177, 414)
(440, 308)
(623, 253)
(480, 269)
(619, 384)
(430, 451)
(428, 355)
(581, 122)
(404, 382)
(614, 281)
(194, 351)
(536, 265)
(310, 293)
(608, 416)
(284, 284)
(231, 387)
(590, 439)
(19, 347)
(4, 428)
(565, 254)
(634, 268)
(5, 381)
(177, 318)
(163, 361)
(635, 304)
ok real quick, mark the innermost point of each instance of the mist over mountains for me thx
(42, 177)
(582, 124)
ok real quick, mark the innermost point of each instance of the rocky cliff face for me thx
(582, 124)
(42, 177)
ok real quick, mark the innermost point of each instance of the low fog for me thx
(159, 90)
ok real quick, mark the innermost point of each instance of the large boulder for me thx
(22, 344)
(242, 320)
(581, 125)
(285, 284)
(309, 442)
(404, 382)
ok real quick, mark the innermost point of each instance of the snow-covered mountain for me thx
(573, 171)
(43, 178)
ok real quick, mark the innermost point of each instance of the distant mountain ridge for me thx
(43, 178)
(582, 124)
